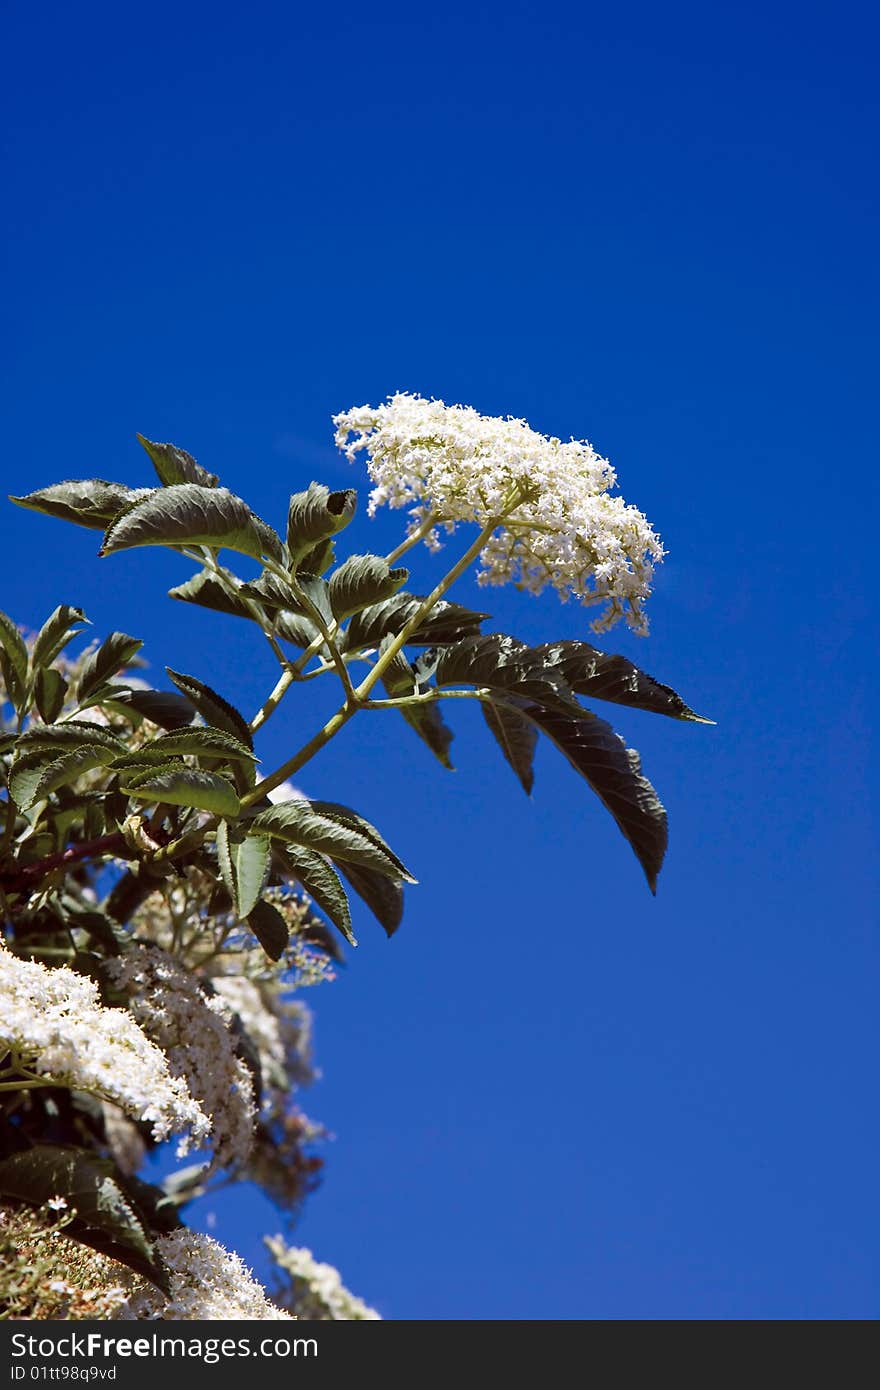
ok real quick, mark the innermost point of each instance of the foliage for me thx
(139, 838)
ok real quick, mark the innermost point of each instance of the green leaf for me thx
(10, 682)
(344, 815)
(299, 823)
(244, 861)
(202, 742)
(74, 733)
(323, 884)
(383, 896)
(89, 502)
(315, 515)
(186, 514)
(107, 1218)
(114, 653)
(206, 590)
(272, 592)
(165, 708)
(35, 775)
(517, 739)
(500, 663)
(219, 713)
(314, 594)
(50, 691)
(427, 721)
(615, 774)
(319, 558)
(445, 623)
(363, 580)
(295, 628)
(270, 928)
(58, 629)
(206, 791)
(13, 644)
(175, 465)
(606, 677)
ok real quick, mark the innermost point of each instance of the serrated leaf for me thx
(295, 628)
(35, 776)
(207, 742)
(270, 928)
(272, 592)
(107, 1218)
(298, 823)
(363, 580)
(74, 733)
(89, 502)
(501, 663)
(315, 515)
(58, 629)
(11, 682)
(114, 653)
(186, 514)
(204, 791)
(50, 690)
(614, 773)
(334, 810)
(314, 595)
(243, 861)
(608, 677)
(175, 465)
(445, 623)
(383, 896)
(13, 644)
(517, 739)
(323, 884)
(166, 708)
(219, 713)
(319, 558)
(427, 721)
(206, 590)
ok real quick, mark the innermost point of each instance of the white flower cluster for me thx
(54, 1025)
(193, 1031)
(557, 524)
(207, 1282)
(261, 1024)
(318, 1293)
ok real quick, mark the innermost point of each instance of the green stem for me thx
(308, 751)
(430, 521)
(273, 700)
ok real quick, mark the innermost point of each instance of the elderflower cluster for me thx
(557, 523)
(207, 1283)
(192, 1029)
(317, 1291)
(54, 1025)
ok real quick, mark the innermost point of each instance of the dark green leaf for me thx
(270, 928)
(298, 823)
(11, 683)
(207, 791)
(272, 593)
(605, 677)
(107, 1219)
(165, 708)
(175, 465)
(517, 739)
(244, 862)
(58, 629)
(333, 810)
(89, 502)
(446, 622)
(315, 515)
(314, 597)
(319, 558)
(186, 514)
(322, 883)
(363, 580)
(206, 590)
(74, 733)
(14, 645)
(114, 653)
(295, 628)
(206, 742)
(383, 896)
(615, 774)
(50, 690)
(35, 775)
(426, 720)
(217, 711)
(500, 663)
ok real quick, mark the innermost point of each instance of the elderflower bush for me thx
(165, 904)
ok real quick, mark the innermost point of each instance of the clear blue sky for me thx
(652, 227)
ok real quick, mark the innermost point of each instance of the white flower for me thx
(207, 1282)
(557, 523)
(57, 1203)
(192, 1029)
(318, 1291)
(56, 1026)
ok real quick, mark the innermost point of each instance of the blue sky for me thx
(553, 1095)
